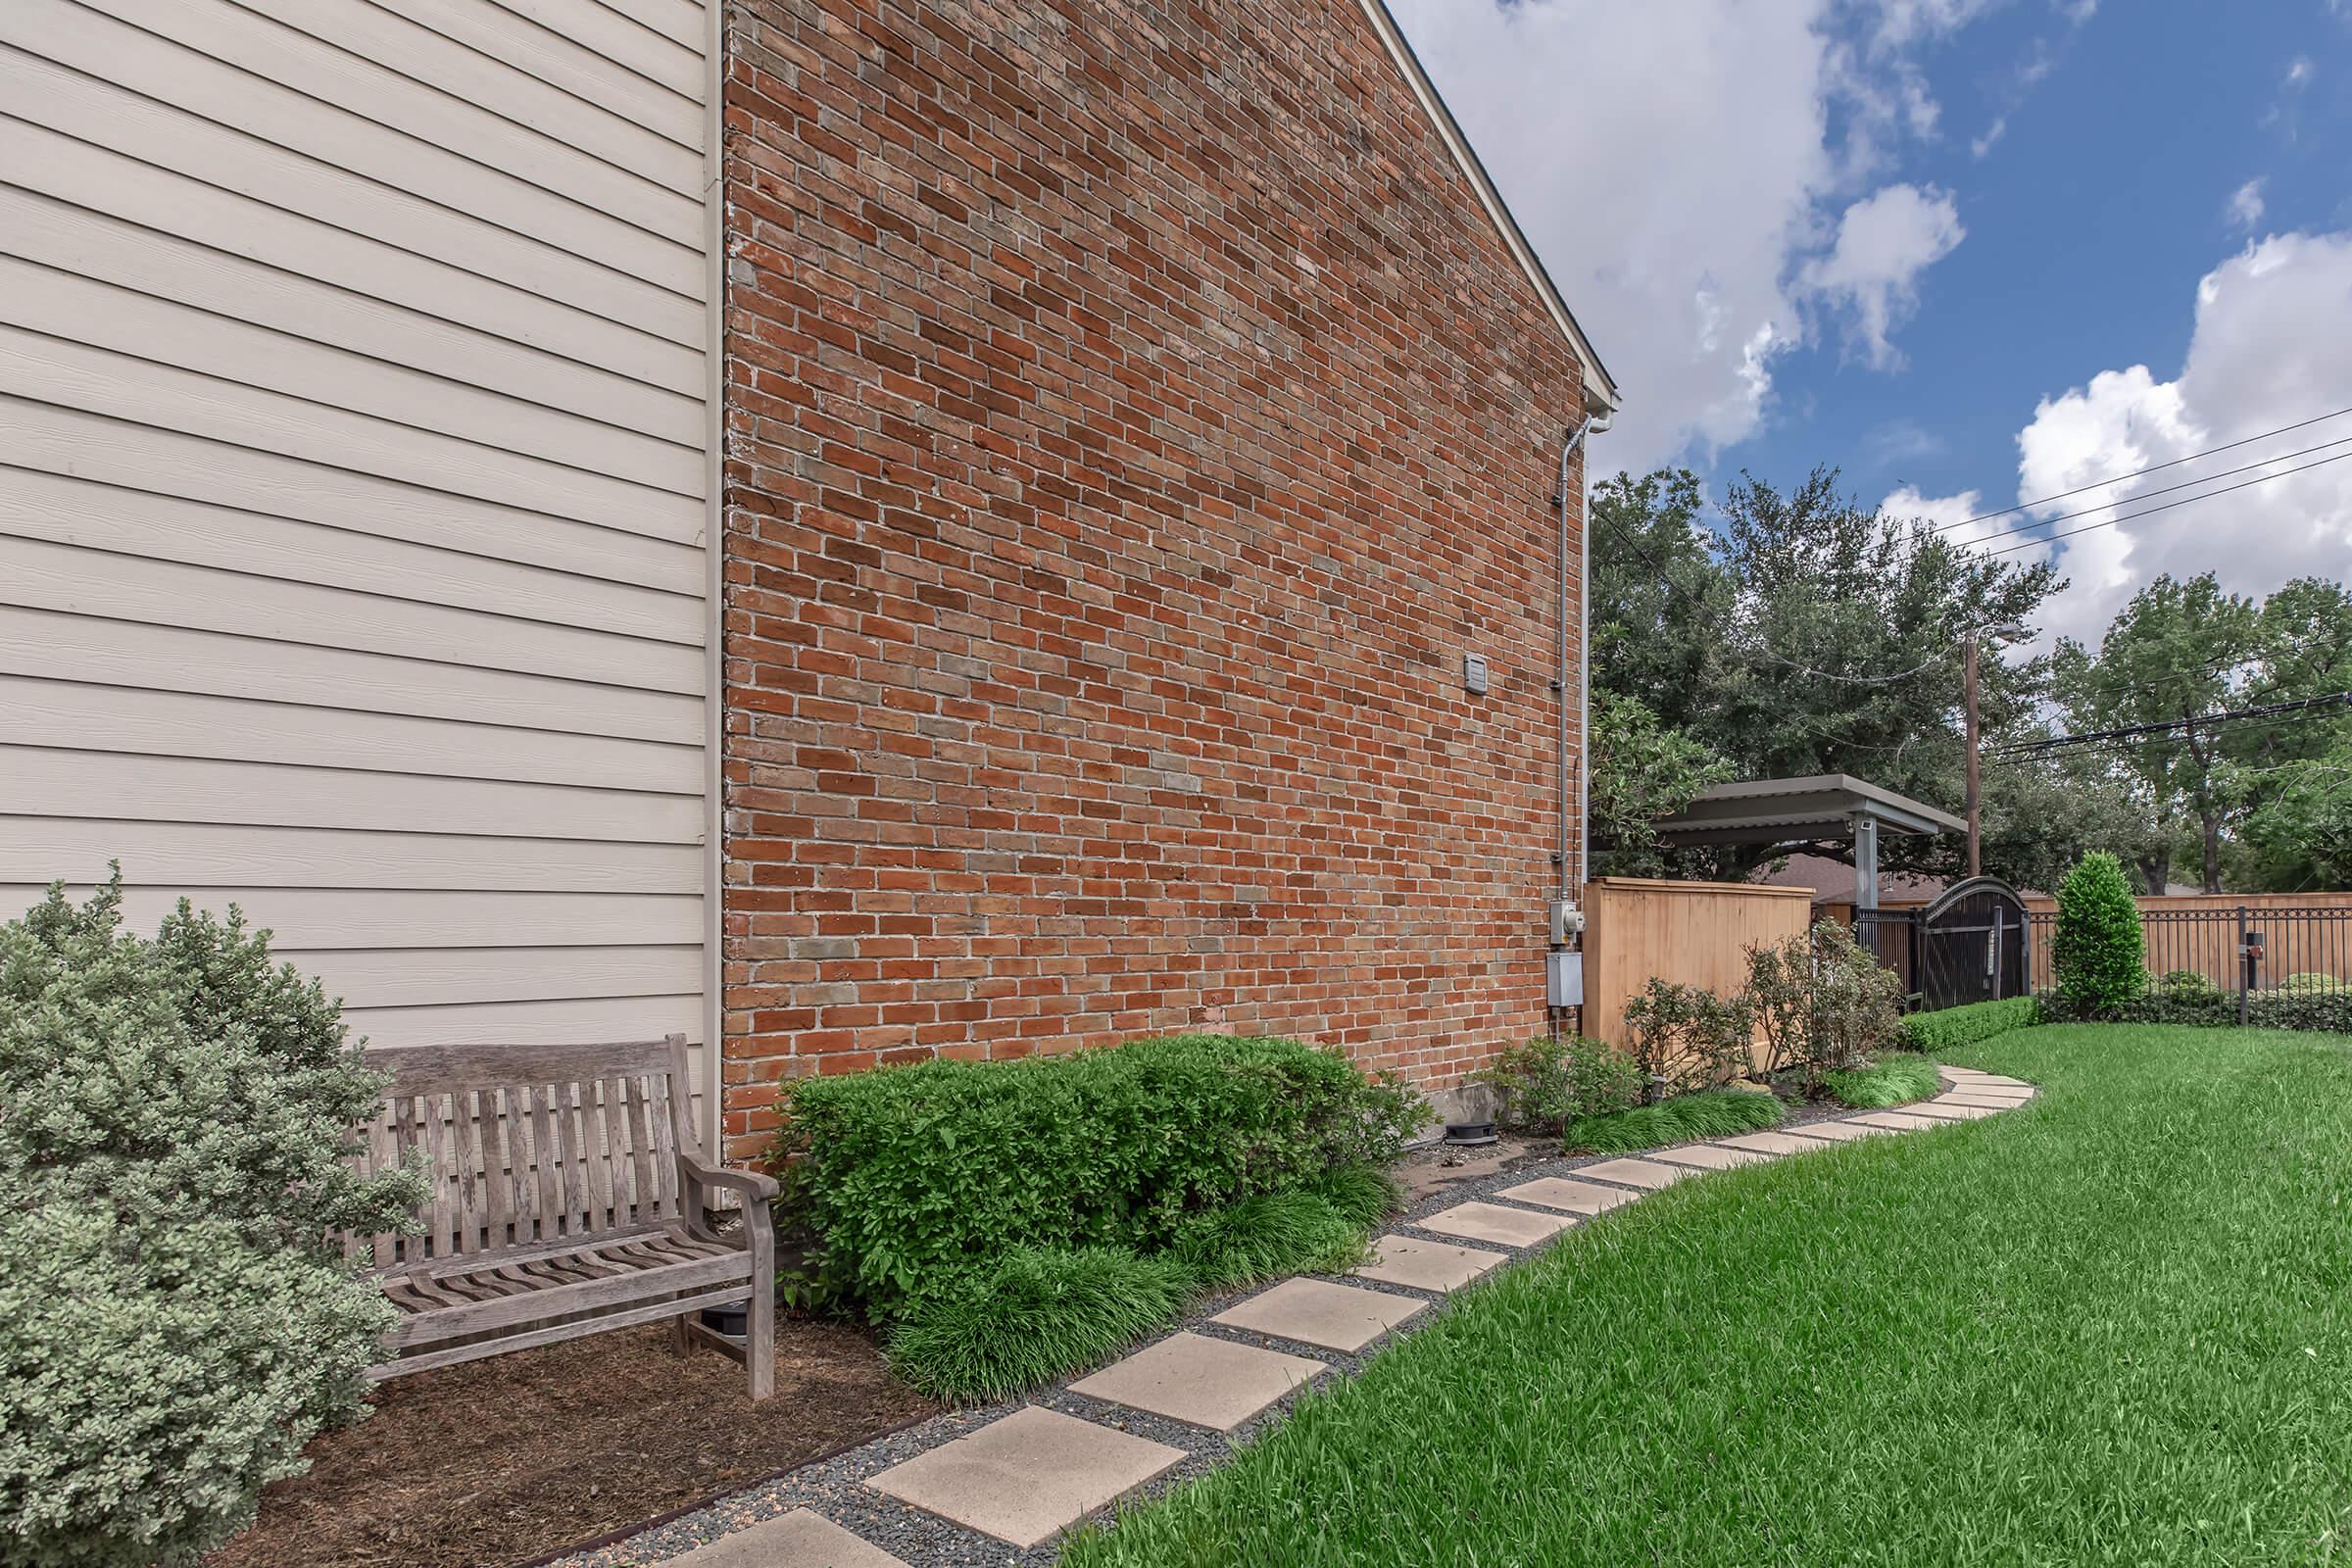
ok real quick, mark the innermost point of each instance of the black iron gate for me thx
(1971, 945)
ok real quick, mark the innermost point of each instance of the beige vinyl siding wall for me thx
(353, 443)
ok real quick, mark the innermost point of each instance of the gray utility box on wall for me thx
(1563, 978)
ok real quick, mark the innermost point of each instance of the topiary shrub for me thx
(1548, 1081)
(905, 1179)
(2097, 953)
(1951, 1028)
(175, 1123)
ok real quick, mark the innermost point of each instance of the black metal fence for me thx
(2239, 950)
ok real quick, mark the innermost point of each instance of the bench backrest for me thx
(528, 1148)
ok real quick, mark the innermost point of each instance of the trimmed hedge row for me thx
(905, 1180)
(1951, 1028)
(2328, 1011)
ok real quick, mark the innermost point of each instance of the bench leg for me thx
(681, 1334)
(759, 1337)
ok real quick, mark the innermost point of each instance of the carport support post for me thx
(1866, 861)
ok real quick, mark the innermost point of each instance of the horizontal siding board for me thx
(38, 575)
(492, 426)
(167, 723)
(78, 138)
(166, 71)
(391, 918)
(440, 976)
(562, 62)
(354, 449)
(91, 649)
(45, 781)
(109, 451)
(70, 511)
(486, 82)
(532, 1023)
(99, 382)
(617, 38)
(204, 855)
(108, 250)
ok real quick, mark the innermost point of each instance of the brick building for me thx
(846, 529)
(1136, 414)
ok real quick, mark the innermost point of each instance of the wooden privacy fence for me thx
(1692, 933)
(2300, 934)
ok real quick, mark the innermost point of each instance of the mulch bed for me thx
(510, 1458)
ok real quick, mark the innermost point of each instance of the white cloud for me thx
(2255, 364)
(1674, 166)
(2298, 70)
(1937, 512)
(1885, 241)
(2246, 205)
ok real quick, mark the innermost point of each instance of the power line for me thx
(2147, 512)
(2307, 706)
(2146, 494)
(2155, 467)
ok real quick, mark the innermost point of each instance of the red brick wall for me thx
(1133, 418)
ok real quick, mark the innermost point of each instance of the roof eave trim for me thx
(1600, 389)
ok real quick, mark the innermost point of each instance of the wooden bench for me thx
(570, 1196)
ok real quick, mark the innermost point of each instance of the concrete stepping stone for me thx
(1647, 1174)
(1942, 1110)
(1566, 1192)
(1991, 1081)
(1708, 1157)
(802, 1538)
(1899, 1121)
(1337, 1317)
(1209, 1383)
(1023, 1478)
(1492, 1222)
(1969, 1096)
(1427, 1265)
(1837, 1132)
(1767, 1144)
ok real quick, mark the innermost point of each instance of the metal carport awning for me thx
(1798, 811)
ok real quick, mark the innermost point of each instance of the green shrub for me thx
(1036, 1315)
(906, 1178)
(1364, 1193)
(173, 1137)
(1895, 1079)
(1548, 1081)
(2201, 1010)
(1292, 1232)
(2329, 1012)
(1951, 1028)
(2310, 984)
(1824, 1004)
(1706, 1114)
(1687, 1038)
(2188, 984)
(2097, 952)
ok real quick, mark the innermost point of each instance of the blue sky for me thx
(1969, 251)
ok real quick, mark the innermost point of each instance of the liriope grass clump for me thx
(1708, 1113)
(1272, 1234)
(1895, 1079)
(1038, 1314)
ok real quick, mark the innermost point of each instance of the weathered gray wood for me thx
(569, 1195)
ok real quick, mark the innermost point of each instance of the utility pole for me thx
(1976, 861)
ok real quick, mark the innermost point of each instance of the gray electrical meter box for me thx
(1474, 674)
(1563, 978)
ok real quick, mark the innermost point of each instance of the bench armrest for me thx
(755, 1187)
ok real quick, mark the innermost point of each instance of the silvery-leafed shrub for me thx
(174, 1131)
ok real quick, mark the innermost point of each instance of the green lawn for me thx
(2113, 1327)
